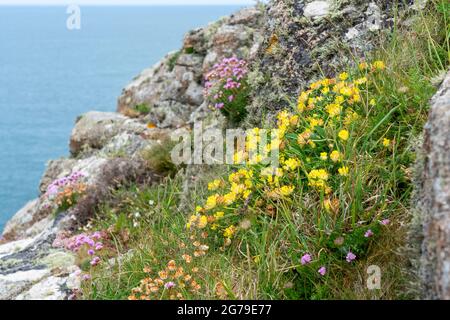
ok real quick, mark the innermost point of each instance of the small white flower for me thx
(151, 202)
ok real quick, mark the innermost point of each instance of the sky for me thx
(126, 2)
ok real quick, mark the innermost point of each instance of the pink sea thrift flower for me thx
(322, 271)
(95, 261)
(86, 277)
(350, 257)
(306, 259)
(368, 234)
(169, 285)
(91, 252)
(385, 222)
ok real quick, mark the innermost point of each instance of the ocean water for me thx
(49, 75)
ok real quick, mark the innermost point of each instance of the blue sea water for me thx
(49, 75)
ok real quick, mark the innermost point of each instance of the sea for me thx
(51, 71)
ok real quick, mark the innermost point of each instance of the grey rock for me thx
(434, 198)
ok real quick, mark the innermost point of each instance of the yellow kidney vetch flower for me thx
(286, 190)
(324, 156)
(333, 109)
(379, 65)
(361, 81)
(344, 135)
(229, 198)
(343, 76)
(214, 185)
(291, 164)
(335, 156)
(363, 66)
(211, 202)
(343, 171)
(386, 142)
(219, 215)
(229, 232)
(346, 91)
(202, 222)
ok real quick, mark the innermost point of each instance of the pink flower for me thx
(368, 233)
(385, 222)
(169, 285)
(322, 271)
(95, 261)
(98, 246)
(91, 252)
(350, 257)
(306, 259)
(86, 277)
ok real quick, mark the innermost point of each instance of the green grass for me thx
(263, 260)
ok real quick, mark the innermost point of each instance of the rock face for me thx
(305, 40)
(31, 269)
(173, 88)
(434, 202)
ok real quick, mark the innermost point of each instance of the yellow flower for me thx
(229, 232)
(343, 171)
(325, 90)
(219, 215)
(386, 142)
(229, 198)
(361, 81)
(286, 190)
(346, 91)
(214, 185)
(291, 164)
(372, 102)
(363, 66)
(202, 222)
(324, 156)
(379, 65)
(344, 135)
(211, 202)
(333, 109)
(339, 100)
(343, 76)
(320, 174)
(335, 156)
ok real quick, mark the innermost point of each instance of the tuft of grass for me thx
(158, 158)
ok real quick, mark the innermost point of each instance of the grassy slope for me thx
(263, 260)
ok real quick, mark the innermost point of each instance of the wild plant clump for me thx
(227, 89)
(319, 184)
(64, 193)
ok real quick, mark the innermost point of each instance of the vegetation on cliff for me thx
(321, 225)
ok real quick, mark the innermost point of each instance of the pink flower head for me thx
(322, 271)
(169, 285)
(86, 277)
(98, 246)
(306, 259)
(95, 261)
(350, 257)
(91, 252)
(385, 222)
(368, 234)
